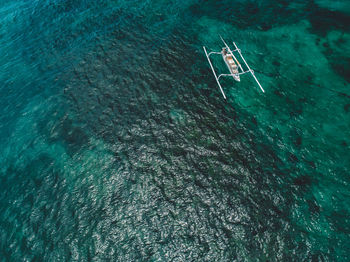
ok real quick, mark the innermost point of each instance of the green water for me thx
(117, 145)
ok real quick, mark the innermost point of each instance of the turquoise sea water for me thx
(116, 144)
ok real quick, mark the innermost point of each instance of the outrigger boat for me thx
(232, 64)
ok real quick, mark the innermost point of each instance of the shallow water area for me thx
(116, 143)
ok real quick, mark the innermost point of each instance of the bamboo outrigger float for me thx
(232, 63)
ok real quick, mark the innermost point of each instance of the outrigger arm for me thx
(233, 74)
(212, 68)
(249, 69)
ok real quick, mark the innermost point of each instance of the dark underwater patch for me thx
(341, 65)
(324, 20)
(249, 14)
(298, 140)
(303, 180)
(293, 158)
(333, 52)
(340, 219)
(311, 163)
(64, 130)
(346, 108)
(73, 136)
(313, 207)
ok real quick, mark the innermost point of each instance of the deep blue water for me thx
(116, 144)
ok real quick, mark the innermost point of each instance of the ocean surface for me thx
(117, 145)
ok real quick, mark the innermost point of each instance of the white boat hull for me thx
(232, 66)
